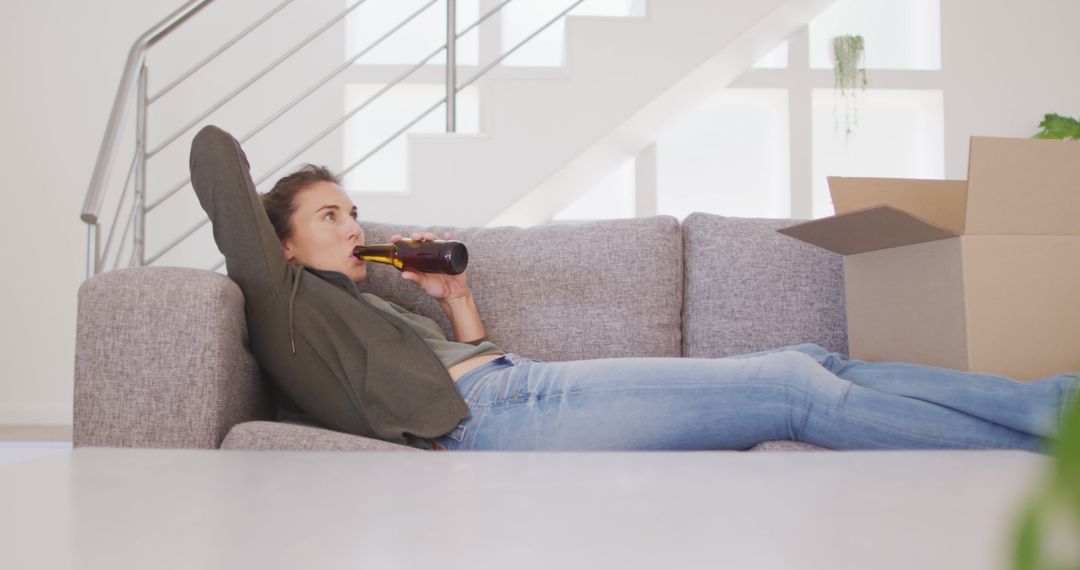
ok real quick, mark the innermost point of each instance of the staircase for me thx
(548, 140)
(544, 140)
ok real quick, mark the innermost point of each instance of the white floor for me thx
(23, 442)
(93, 508)
(16, 451)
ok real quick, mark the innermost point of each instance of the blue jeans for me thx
(800, 393)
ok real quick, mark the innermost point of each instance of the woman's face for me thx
(325, 231)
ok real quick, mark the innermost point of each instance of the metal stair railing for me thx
(134, 67)
(133, 85)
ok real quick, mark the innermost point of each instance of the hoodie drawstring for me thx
(292, 298)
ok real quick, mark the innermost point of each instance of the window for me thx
(764, 146)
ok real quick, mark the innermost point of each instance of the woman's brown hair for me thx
(278, 202)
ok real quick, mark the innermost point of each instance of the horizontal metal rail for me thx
(127, 227)
(137, 57)
(232, 95)
(336, 124)
(119, 207)
(94, 194)
(478, 74)
(391, 138)
(217, 52)
(482, 18)
(337, 71)
(386, 88)
(296, 101)
(499, 60)
(333, 126)
(177, 241)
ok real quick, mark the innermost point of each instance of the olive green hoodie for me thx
(349, 365)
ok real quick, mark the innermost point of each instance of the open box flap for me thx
(1023, 186)
(869, 229)
(940, 202)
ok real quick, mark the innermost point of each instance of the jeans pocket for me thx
(458, 433)
(512, 386)
(454, 439)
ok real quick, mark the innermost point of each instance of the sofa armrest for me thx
(284, 436)
(161, 360)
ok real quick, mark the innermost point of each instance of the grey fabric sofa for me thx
(162, 360)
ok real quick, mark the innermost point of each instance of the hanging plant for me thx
(849, 67)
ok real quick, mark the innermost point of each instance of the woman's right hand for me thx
(443, 288)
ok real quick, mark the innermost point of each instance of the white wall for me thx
(1005, 62)
(61, 64)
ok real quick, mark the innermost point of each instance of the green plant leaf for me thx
(1067, 450)
(1055, 126)
(1061, 490)
(1026, 553)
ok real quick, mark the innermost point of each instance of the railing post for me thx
(139, 246)
(451, 66)
(93, 237)
(99, 256)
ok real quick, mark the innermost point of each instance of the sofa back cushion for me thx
(749, 288)
(561, 292)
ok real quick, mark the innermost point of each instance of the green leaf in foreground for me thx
(1048, 530)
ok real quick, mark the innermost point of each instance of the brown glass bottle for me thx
(427, 256)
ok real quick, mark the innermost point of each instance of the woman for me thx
(802, 393)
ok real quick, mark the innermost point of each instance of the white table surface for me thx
(140, 508)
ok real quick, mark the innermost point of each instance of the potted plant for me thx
(1055, 126)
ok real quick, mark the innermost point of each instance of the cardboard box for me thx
(980, 275)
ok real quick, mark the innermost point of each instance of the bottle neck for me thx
(383, 253)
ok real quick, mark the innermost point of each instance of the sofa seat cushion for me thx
(287, 436)
(749, 288)
(295, 436)
(601, 289)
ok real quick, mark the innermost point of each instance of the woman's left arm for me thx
(453, 294)
(465, 318)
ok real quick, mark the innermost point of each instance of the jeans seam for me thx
(864, 421)
(796, 434)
